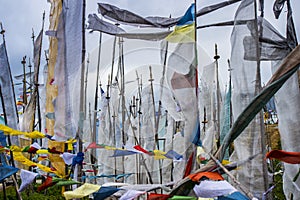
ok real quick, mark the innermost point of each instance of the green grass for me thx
(52, 193)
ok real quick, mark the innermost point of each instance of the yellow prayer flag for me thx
(110, 148)
(10, 131)
(18, 156)
(182, 34)
(42, 151)
(159, 154)
(84, 190)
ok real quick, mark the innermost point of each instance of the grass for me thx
(52, 193)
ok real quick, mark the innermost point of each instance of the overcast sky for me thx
(19, 17)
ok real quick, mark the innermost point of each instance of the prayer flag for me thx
(27, 178)
(184, 31)
(104, 192)
(285, 156)
(84, 190)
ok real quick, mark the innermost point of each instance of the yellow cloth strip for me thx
(32, 135)
(182, 34)
(18, 156)
(57, 162)
(111, 148)
(159, 154)
(84, 190)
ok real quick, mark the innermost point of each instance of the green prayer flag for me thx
(183, 197)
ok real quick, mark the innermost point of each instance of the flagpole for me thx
(37, 84)
(94, 133)
(235, 181)
(23, 62)
(258, 31)
(85, 85)
(155, 122)
(113, 59)
(216, 57)
(81, 106)
(143, 163)
(194, 149)
(138, 107)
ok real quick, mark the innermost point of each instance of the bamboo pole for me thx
(236, 183)
(114, 140)
(216, 57)
(122, 93)
(155, 122)
(81, 103)
(85, 85)
(138, 107)
(23, 62)
(94, 133)
(36, 81)
(258, 31)
(137, 142)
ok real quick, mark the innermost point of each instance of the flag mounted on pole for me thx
(184, 31)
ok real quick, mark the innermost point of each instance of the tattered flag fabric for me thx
(78, 159)
(171, 154)
(67, 182)
(97, 24)
(104, 192)
(116, 14)
(212, 189)
(127, 17)
(184, 31)
(209, 175)
(182, 61)
(176, 197)
(154, 196)
(6, 171)
(285, 156)
(287, 68)
(124, 152)
(27, 177)
(68, 157)
(68, 65)
(7, 90)
(131, 194)
(94, 145)
(234, 196)
(2, 139)
(139, 148)
(18, 156)
(48, 183)
(84, 190)
(11, 131)
(189, 165)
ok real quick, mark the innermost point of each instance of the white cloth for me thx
(27, 178)
(211, 189)
(131, 194)
(36, 145)
(68, 157)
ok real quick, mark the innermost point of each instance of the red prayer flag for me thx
(139, 148)
(48, 183)
(285, 156)
(153, 196)
(211, 175)
(189, 165)
(93, 145)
